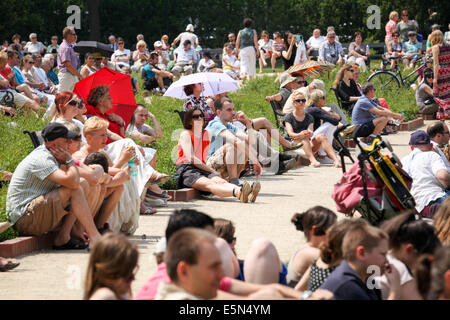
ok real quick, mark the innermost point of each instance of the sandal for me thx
(148, 212)
(315, 164)
(9, 266)
(162, 195)
(160, 179)
(71, 245)
(256, 187)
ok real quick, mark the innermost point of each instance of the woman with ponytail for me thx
(408, 240)
(330, 256)
(314, 223)
(112, 267)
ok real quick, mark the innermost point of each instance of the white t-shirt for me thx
(267, 46)
(206, 64)
(444, 158)
(231, 60)
(406, 161)
(188, 36)
(120, 54)
(40, 75)
(315, 42)
(426, 187)
(405, 276)
(34, 47)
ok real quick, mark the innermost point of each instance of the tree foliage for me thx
(212, 19)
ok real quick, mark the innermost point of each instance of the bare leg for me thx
(112, 197)
(159, 79)
(230, 263)
(79, 210)
(309, 153)
(262, 264)
(379, 124)
(322, 141)
(153, 162)
(220, 189)
(263, 123)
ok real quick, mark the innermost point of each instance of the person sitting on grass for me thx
(206, 64)
(277, 48)
(300, 125)
(113, 264)
(346, 87)
(363, 246)
(412, 50)
(371, 117)
(137, 129)
(288, 84)
(192, 171)
(46, 187)
(326, 121)
(155, 77)
(314, 223)
(230, 63)
(230, 149)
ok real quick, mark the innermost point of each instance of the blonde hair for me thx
(296, 94)
(141, 43)
(94, 124)
(71, 126)
(165, 37)
(112, 257)
(314, 98)
(392, 15)
(3, 57)
(436, 37)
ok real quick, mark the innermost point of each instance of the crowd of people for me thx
(95, 174)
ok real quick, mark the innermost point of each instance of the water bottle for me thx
(367, 49)
(133, 167)
(398, 121)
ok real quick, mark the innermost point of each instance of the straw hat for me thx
(286, 78)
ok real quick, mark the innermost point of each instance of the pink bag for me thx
(384, 103)
(349, 191)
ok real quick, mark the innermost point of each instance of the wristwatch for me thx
(306, 294)
(69, 161)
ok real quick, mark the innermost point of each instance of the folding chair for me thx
(279, 118)
(180, 114)
(36, 137)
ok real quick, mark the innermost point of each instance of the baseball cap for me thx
(190, 27)
(412, 33)
(419, 137)
(56, 130)
(157, 44)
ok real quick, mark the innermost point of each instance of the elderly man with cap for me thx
(46, 193)
(163, 55)
(288, 84)
(431, 180)
(184, 60)
(412, 50)
(188, 35)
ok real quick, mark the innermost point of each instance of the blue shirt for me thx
(346, 284)
(215, 127)
(19, 77)
(53, 76)
(412, 47)
(186, 56)
(361, 113)
(149, 74)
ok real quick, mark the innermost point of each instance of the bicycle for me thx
(393, 80)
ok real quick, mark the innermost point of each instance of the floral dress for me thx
(442, 90)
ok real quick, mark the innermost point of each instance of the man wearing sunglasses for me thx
(288, 84)
(67, 62)
(440, 136)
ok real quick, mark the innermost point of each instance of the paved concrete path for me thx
(60, 275)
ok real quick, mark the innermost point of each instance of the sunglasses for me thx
(197, 116)
(231, 240)
(302, 82)
(351, 70)
(120, 43)
(405, 15)
(30, 62)
(300, 100)
(77, 138)
(394, 36)
(75, 103)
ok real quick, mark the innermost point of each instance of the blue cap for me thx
(419, 137)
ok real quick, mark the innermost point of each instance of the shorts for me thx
(43, 214)
(151, 84)
(187, 174)
(19, 99)
(217, 162)
(366, 129)
(281, 275)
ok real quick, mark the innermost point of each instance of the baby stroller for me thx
(375, 186)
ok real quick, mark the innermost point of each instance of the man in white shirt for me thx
(121, 56)
(163, 55)
(314, 42)
(431, 179)
(440, 136)
(34, 46)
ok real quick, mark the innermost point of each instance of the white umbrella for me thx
(213, 84)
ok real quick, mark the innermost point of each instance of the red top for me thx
(201, 152)
(5, 73)
(113, 126)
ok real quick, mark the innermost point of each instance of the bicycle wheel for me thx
(385, 82)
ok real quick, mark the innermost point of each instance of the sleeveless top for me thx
(317, 276)
(396, 47)
(200, 150)
(246, 38)
(91, 71)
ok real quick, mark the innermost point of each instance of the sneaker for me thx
(326, 160)
(293, 146)
(155, 203)
(256, 187)
(290, 164)
(245, 192)
(163, 90)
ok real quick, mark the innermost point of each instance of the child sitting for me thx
(206, 64)
(231, 64)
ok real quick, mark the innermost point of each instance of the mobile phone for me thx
(299, 38)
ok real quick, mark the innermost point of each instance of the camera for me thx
(333, 55)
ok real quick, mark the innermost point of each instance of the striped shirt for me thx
(29, 181)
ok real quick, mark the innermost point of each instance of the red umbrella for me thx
(121, 91)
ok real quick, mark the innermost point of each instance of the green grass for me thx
(14, 145)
